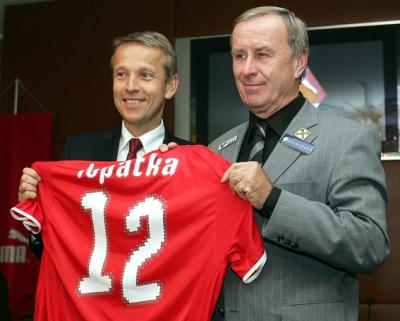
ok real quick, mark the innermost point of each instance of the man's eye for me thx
(147, 75)
(121, 75)
(238, 56)
(262, 55)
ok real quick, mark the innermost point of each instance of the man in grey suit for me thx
(317, 184)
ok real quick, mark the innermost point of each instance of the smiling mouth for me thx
(252, 85)
(133, 101)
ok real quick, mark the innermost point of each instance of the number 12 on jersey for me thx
(97, 281)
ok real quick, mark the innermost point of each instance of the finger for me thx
(164, 148)
(22, 197)
(28, 180)
(26, 187)
(172, 145)
(32, 173)
(242, 196)
(227, 174)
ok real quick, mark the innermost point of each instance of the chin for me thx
(259, 111)
(254, 107)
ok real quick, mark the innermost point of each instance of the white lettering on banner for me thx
(156, 165)
(12, 254)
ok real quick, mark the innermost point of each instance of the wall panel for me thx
(61, 52)
(208, 17)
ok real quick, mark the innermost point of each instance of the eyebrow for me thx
(263, 48)
(256, 49)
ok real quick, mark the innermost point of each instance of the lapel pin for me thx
(302, 133)
(227, 143)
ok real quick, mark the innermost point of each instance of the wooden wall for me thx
(61, 51)
(208, 17)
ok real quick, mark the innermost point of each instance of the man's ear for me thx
(172, 86)
(301, 63)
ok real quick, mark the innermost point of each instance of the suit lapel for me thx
(109, 149)
(282, 157)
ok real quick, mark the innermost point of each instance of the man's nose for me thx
(249, 67)
(131, 84)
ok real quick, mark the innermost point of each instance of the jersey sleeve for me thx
(245, 248)
(30, 212)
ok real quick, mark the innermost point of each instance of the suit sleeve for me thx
(348, 231)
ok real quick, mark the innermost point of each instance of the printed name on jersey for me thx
(155, 166)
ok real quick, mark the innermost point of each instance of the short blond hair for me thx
(151, 39)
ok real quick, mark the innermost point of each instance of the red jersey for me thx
(145, 239)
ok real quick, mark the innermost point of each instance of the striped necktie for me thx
(257, 143)
(134, 145)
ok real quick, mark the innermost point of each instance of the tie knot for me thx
(134, 145)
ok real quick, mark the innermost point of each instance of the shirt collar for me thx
(150, 141)
(280, 120)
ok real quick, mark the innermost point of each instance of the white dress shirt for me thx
(150, 141)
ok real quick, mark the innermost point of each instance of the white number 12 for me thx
(97, 281)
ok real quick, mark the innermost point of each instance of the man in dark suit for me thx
(313, 177)
(144, 77)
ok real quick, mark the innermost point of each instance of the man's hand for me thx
(28, 184)
(165, 148)
(249, 181)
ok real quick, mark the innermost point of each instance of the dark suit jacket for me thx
(96, 146)
(102, 145)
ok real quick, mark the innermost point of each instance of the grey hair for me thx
(296, 28)
(151, 39)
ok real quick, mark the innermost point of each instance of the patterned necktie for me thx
(134, 145)
(257, 143)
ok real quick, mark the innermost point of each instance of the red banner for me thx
(24, 138)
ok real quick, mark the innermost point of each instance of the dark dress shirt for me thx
(275, 126)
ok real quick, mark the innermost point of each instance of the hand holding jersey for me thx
(28, 184)
(249, 181)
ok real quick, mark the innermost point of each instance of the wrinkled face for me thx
(266, 74)
(140, 86)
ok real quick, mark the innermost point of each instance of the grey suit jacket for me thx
(328, 226)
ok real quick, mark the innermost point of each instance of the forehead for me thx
(268, 30)
(138, 55)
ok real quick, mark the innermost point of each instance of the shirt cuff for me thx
(270, 202)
